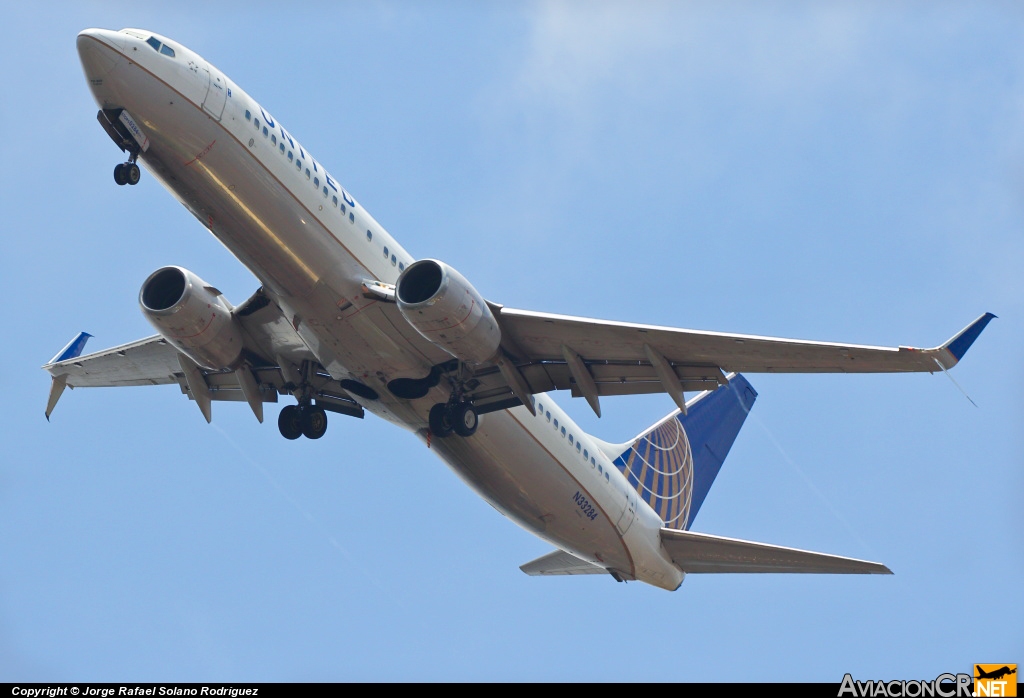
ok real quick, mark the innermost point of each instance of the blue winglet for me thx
(73, 349)
(959, 345)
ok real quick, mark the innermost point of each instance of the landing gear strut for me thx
(128, 172)
(458, 414)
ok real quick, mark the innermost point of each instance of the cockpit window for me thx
(160, 48)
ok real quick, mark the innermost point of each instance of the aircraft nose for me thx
(100, 50)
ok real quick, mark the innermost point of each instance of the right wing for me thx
(699, 553)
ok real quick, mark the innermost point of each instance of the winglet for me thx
(958, 345)
(56, 390)
(73, 349)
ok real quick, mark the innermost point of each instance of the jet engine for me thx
(446, 310)
(193, 316)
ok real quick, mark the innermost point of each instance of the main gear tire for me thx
(289, 422)
(314, 422)
(465, 419)
(440, 420)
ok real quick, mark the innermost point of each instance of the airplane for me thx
(995, 674)
(346, 321)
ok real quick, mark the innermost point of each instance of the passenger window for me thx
(351, 217)
(385, 253)
(548, 415)
(343, 209)
(256, 123)
(307, 173)
(540, 407)
(608, 479)
(592, 462)
(369, 236)
(167, 50)
(394, 260)
(265, 131)
(585, 454)
(290, 158)
(248, 115)
(273, 139)
(282, 148)
(570, 438)
(152, 41)
(401, 266)
(577, 447)
(298, 164)
(600, 469)
(325, 192)
(316, 181)
(563, 432)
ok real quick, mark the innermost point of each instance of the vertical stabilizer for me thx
(673, 464)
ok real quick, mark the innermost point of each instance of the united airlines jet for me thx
(347, 321)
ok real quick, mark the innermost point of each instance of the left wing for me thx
(593, 358)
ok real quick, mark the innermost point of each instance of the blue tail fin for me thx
(674, 463)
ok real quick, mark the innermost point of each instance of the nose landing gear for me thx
(127, 172)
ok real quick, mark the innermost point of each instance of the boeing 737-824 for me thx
(347, 321)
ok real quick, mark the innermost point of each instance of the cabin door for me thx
(216, 93)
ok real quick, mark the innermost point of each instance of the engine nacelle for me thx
(443, 307)
(193, 316)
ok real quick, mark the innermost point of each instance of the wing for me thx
(699, 553)
(270, 341)
(593, 358)
(149, 361)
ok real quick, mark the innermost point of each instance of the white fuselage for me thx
(311, 244)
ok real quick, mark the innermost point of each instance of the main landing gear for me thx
(453, 416)
(127, 172)
(302, 420)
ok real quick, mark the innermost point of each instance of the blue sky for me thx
(835, 171)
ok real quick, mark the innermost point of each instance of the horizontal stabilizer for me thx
(700, 553)
(560, 562)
